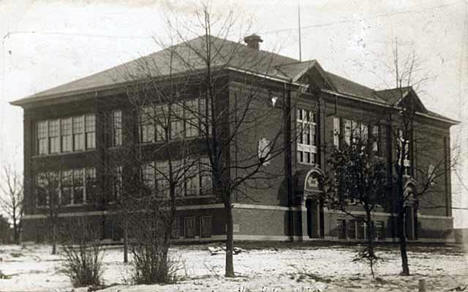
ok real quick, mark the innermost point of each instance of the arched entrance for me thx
(313, 204)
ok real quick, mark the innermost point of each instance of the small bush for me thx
(82, 261)
(152, 264)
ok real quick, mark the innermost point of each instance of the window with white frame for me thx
(66, 134)
(66, 187)
(42, 138)
(162, 179)
(117, 183)
(177, 121)
(403, 151)
(146, 124)
(147, 175)
(78, 133)
(306, 136)
(116, 128)
(192, 179)
(79, 186)
(90, 184)
(191, 119)
(54, 136)
(90, 130)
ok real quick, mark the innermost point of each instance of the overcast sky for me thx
(47, 43)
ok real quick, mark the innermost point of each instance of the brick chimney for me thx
(253, 41)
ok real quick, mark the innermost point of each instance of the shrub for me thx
(82, 257)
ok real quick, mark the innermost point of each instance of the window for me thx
(347, 131)
(376, 139)
(66, 135)
(162, 179)
(177, 121)
(175, 232)
(41, 190)
(91, 181)
(161, 122)
(306, 131)
(206, 183)
(117, 186)
(116, 128)
(148, 176)
(189, 226)
(205, 114)
(341, 228)
(205, 226)
(351, 229)
(146, 121)
(42, 140)
(90, 128)
(336, 132)
(78, 186)
(54, 137)
(191, 121)
(66, 132)
(404, 152)
(379, 229)
(67, 187)
(78, 135)
(192, 179)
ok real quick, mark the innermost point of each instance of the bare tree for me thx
(410, 139)
(187, 86)
(357, 178)
(11, 200)
(231, 114)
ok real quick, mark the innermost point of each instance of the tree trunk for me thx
(229, 239)
(15, 231)
(370, 241)
(125, 238)
(402, 237)
(54, 238)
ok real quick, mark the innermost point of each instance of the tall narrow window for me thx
(147, 173)
(404, 152)
(205, 176)
(117, 128)
(67, 187)
(376, 138)
(336, 132)
(162, 179)
(175, 232)
(42, 198)
(78, 133)
(177, 121)
(161, 113)
(66, 133)
(192, 179)
(191, 121)
(54, 137)
(117, 185)
(42, 139)
(146, 124)
(91, 185)
(189, 224)
(347, 132)
(306, 131)
(205, 116)
(90, 128)
(78, 186)
(205, 226)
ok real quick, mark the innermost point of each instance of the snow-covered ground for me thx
(284, 267)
